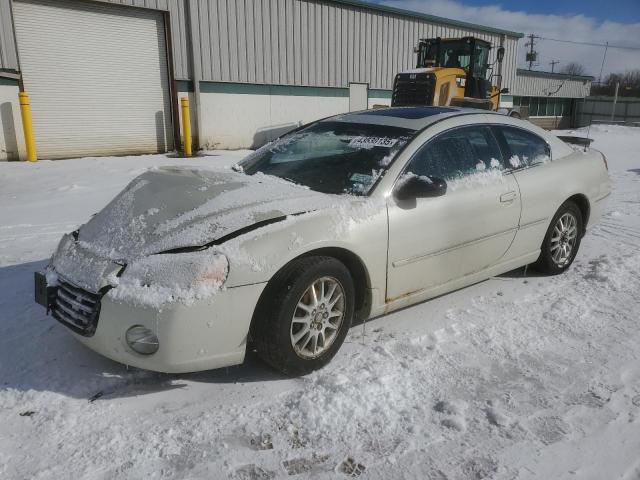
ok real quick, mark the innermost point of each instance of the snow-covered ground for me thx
(519, 377)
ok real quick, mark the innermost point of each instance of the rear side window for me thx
(523, 148)
(457, 153)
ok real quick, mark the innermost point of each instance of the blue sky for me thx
(624, 11)
(589, 21)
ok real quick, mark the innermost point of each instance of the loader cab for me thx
(468, 53)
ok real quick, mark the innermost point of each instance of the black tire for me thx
(546, 263)
(515, 115)
(271, 329)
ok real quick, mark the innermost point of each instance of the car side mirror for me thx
(500, 54)
(415, 186)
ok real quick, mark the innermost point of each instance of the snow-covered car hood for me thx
(177, 207)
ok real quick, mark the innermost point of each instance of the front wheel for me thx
(305, 316)
(562, 240)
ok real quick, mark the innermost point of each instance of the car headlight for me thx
(171, 277)
(142, 340)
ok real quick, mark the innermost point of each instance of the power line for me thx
(590, 43)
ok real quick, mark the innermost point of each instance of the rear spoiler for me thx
(582, 141)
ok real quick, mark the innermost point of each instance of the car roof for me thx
(414, 118)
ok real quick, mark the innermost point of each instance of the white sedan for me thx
(345, 219)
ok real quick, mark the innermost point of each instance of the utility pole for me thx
(604, 57)
(553, 64)
(532, 55)
(615, 100)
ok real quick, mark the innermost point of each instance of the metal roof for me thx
(561, 76)
(425, 16)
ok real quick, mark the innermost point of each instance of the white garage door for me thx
(97, 77)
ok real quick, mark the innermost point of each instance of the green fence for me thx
(602, 110)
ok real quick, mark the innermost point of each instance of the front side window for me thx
(524, 148)
(481, 60)
(331, 157)
(455, 54)
(457, 153)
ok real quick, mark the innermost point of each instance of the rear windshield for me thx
(331, 157)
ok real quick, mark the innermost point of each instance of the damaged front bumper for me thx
(208, 333)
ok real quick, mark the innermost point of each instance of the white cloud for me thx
(575, 28)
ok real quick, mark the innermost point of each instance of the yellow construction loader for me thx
(451, 72)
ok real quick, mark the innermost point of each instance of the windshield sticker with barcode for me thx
(361, 178)
(368, 142)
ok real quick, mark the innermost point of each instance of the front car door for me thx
(433, 241)
(529, 156)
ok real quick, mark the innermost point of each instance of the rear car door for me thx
(435, 240)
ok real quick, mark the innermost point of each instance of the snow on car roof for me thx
(415, 118)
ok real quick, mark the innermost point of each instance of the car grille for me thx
(76, 308)
(413, 89)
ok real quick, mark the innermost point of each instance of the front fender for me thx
(256, 256)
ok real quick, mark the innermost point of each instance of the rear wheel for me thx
(305, 316)
(562, 240)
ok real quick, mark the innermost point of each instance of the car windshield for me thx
(331, 157)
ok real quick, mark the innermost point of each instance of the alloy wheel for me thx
(563, 239)
(317, 317)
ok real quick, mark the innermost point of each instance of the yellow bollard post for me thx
(27, 126)
(186, 126)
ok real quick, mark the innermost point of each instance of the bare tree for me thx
(573, 68)
(629, 84)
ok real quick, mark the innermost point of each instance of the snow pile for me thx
(374, 407)
(476, 179)
(515, 161)
(168, 278)
(481, 166)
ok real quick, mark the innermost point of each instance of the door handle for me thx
(508, 197)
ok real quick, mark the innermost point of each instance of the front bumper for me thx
(207, 334)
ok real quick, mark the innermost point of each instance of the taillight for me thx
(604, 159)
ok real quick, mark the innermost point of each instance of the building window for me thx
(534, 104)
(544, 106)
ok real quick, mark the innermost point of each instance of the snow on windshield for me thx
(331, 157)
